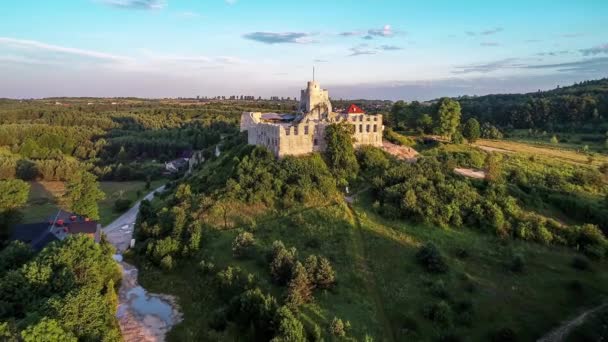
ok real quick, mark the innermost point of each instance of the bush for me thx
(439, 290)
(243, 245)
(431, 259)
(503, 335)
(409, 327)
(320, 271)
(440, 313)
(167, 263)
(581, 263)
(282, 263)
(206, 267)
(517, 263)
(575, 286)
(338, 328)
(300, 287)
(121, 205)
(218, 320)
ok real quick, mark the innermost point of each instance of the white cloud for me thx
(137, 4)
(22, 44)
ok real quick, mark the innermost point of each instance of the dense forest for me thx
(582, 107)
(51, 140)
(576, 113)
(67, 292)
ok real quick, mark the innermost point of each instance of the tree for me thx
(493, 168)
(425, 123)
(82, 195)
(472, 130)
(338, 327)
(122, 154)
(288, 327)
(243, 244)
(449, 117)
(340, 153)
(13, 194)
(431, 259)
(47, 330)
(320, 272)
(554, 140)
(300, 287)
(282, 263)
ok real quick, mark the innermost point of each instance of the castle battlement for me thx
(305, 132)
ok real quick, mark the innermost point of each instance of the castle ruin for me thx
(304, 132)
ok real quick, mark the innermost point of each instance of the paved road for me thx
(120, 232)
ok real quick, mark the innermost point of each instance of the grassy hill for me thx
(495, 287)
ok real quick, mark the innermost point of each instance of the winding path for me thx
(142, 316)
(560, 333)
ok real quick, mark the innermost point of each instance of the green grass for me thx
(530, 303)
(573, 141)
(381, 289)
(44, 199)
(552, 153)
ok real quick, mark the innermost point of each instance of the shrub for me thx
(167, 263)
(338, 328)
(320, 271)
(503, 335)
(439, 290)
(218, 320)
(575, 286)
(206, 267)
(517, 263)
(580, 263)
(243, 245)
(462, 253)
(440, 313)
(300, 287)
(409, 327)
(121, 205)
(289, 327)
(282, 263)
(431, 259)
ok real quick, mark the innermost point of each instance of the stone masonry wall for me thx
(306, 137)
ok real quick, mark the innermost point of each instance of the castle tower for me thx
(315, 100)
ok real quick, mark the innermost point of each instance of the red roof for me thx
(353, 109)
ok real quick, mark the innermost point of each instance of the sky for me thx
(374, 49)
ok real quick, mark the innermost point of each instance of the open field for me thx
(45, 198)
(565, 155)
(571, 141)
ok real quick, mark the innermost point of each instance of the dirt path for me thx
(561, 332)
(477, 174)
(368, 276)
(400, 152)
(142, 316)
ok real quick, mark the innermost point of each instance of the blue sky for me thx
(361, 49)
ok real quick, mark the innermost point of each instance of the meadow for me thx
(45, 198)
(381, 289)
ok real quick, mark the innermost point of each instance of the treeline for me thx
(443, 117)
(67, 292)
(582, 107)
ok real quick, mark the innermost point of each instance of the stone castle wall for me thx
(306, 137)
